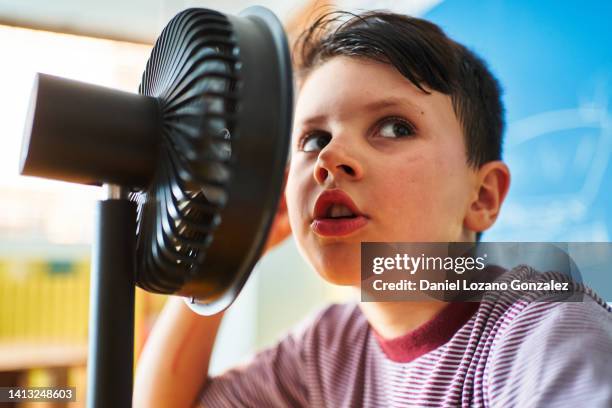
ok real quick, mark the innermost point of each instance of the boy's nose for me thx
(334, 163)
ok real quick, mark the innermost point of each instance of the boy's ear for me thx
(492, 184)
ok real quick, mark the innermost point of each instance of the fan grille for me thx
(194, 72)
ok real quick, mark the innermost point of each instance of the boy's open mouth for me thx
(335, 214)
(335, 204)
(339, 211)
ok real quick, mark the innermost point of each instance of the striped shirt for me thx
(502, 352)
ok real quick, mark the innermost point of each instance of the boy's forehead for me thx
(345, 86)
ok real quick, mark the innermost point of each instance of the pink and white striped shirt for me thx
(497, 353)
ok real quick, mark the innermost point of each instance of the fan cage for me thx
(194, 72)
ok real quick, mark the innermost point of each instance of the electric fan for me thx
(193, 165)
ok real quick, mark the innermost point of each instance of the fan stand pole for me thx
(111, 310)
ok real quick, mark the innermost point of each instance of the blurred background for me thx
(553, 58)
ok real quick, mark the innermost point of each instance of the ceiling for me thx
(126, 20)
(141, 21)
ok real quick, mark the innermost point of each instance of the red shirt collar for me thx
(430, 335)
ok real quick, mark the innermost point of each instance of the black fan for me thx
(221, 103)
(194, 167)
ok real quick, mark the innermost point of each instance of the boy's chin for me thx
(338, 263)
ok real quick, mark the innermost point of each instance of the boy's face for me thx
(398, 153)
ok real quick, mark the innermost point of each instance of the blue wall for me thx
(554, 61)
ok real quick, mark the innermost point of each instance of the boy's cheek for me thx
(298, 187)
(295, 207)
(294, 221)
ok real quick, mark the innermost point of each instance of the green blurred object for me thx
(60, 267)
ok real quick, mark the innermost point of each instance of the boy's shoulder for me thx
(545, 325)
(542, 311)
(549, 351)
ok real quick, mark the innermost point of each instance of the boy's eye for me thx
(315, 141)
(395, 128)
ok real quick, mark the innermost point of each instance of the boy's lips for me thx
(330, 227)
(325, 225)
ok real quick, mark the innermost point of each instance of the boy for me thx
(397, 138)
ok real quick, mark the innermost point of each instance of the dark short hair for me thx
(423, 54)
